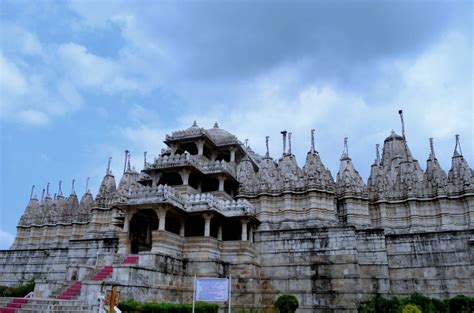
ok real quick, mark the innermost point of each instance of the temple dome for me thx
(220, 136)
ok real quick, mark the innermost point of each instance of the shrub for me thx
(129, 306)
(461, 304)
(286, 304)
(411, 308)
(18, 291)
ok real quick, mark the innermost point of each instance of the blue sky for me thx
(84, 80)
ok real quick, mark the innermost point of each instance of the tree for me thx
(286, 304)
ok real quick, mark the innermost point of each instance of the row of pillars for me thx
(161, 212)
(200, 148)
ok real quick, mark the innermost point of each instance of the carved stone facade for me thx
(210, 206)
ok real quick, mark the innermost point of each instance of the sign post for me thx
(212, 289)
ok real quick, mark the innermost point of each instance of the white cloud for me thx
(12, 80)
(6, 239)
(33, 117)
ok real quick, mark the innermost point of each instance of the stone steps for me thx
(23, 305)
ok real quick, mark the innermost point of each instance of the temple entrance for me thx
(141, 226)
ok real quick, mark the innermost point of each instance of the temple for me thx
(210, 206)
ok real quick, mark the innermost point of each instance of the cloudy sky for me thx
(84, 80)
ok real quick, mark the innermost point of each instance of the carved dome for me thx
(220, 136)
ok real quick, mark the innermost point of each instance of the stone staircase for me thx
(65, 301)
(22, 305)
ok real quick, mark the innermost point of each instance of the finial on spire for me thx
(60, 191)
(195, 124)
(126, 158)
(377, 154)
(403, 123)
(108, 166)
(289, 143)
(266, 143)
(73, 191)
(345, 151)
(246, 143)
(87, 185)
(312, 141)
(284, 132)
(216, 125)
(42, 195)
(129, 168)
(144, 159)
(432, 152)
(32, 190)
(47, 190)
(458, 144)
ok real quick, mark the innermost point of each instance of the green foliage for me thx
(130, 306)
(18, 291)
(153, 307)
(378, 304)
(411, 308)
(286, 304)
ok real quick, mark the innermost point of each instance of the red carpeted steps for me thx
(71, 292)
(15, 303)
(131, 259)
(103, 273)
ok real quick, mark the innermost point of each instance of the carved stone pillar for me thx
(200, 146)
(207, 224)
(251, 233)
(182, 228)
(221, 183)
(232, 155)
(156, 179)
(244, 222)
(219, 232)
(173, 149)
(185, 176)
(161, 212)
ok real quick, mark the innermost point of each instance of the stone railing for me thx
(205, 201)
(158, 194)
(206, 167)
(180, 134)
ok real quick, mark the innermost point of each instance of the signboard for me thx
(212, 289)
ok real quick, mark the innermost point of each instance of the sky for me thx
(84, 80)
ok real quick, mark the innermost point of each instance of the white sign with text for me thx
(212, 289)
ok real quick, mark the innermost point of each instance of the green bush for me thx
(411, 308)
(129, 306)
(461, 304)
(379, 304)
(153, 307)
(18, 291)
(286, 304)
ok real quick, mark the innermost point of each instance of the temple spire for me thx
(403, 123)
(87, 185)
(32, 190)
(42, 195)
(377, 154)
(284, 132)
(432, 152)
(73, 191)
(266, 143)
(458, 144)
(345, 151)
(246, 143)
(125, 164)
(312, 141)
(289, 143)
(60, 192)
(47, 191)
(144, 159)
(108, 166)
(129, 168)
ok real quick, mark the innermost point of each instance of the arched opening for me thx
(173, 223)
(214, 227)
(194, 226)
(231, 230)
(170, 179)
(191, 148)
(141, 226)
(223, 155)
(209, 184)
(194, 181)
